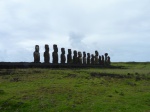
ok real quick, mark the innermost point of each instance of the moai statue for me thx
(106, 54)
(69, 56)
(88, 58)
(55, 54)
(36, 54)
(46, 54)
(75, 58)
(96, 58)
(100, 60)
(63, 57)
(79, 58)
(108, 60)
(84, 58)
(103, 62)
(92, 59)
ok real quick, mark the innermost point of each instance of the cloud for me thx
(120, 28)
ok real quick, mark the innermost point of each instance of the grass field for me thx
(76, 90)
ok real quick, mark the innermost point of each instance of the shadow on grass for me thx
(137, 77)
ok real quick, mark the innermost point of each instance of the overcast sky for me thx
(119, 27)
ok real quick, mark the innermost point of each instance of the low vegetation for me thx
(76, 90)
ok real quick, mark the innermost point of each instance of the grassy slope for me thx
(75, 90)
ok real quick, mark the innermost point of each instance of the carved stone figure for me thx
(46, 54)
(36, 54)
(106, 54)
(96, 57)
(75, 58)
(88, 58)
(79, 58)
(92, 59)
(69, 56)
(100, 60)
(103, 62)
(63, 57)
(84, 58)
(108, 60)
(55, 54)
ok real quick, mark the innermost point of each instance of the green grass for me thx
(76, 90)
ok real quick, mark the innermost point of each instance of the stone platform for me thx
(13, 65)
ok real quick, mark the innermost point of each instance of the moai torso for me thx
(75, 58)
(100, 60)
(88, 58)
(46, 54)
(84, 58)
(36, 54)
(63, 57)
(92, 59)
(96, 57)
(55, 54)
(103, 60)
(79, 58)
(69, 56)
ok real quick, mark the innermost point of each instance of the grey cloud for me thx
(77, 42)
(117, 27)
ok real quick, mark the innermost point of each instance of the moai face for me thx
(46, 47)
(55, 48)
(106, 54)
(84, 54)
(96, 53)
(69, 51)
(79, 54)
(37, 48)
(63, 50)
(100, 57)
(75, 53)
(88, 54)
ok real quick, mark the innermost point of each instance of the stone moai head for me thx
(69, 51)
(92, 55)
(63, 50)
(37, 48)
(46, 47)
(84, 54)
(36, 54)
(75, 53)
(100, 57)
(79, 54)
(96, 53)
(88, 54)
(55, 48)
(106, 54)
